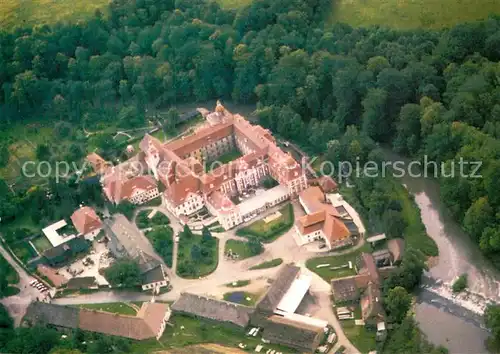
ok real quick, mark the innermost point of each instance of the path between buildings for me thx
(17, 304)
(229, 271)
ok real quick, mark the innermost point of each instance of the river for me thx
(440, 319)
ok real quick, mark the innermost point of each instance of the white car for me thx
(33, 282)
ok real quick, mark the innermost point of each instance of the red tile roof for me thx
(86, 220)
(323, 216)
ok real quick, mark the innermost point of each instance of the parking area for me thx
(98, 258)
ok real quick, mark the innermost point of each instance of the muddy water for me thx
(438, 318)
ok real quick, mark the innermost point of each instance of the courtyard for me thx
(98, 258)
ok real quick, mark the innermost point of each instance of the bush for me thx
(460, 284)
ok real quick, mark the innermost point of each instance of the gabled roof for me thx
(44, 313)
(145, 325)
(118, 190)
(367, 266)
(154, 275)
(81, 283)
(279, 287)
(396, 247)
(292, 333)
(213, 309)
(86, 220)
(323, 216)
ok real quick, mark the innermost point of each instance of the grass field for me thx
(269, 264)
(185, 331)
(41, 243)
(363, 339)
(406, 14)
(243, 298)
(268, 232)
(223, 159)
(238, 284)
(335, 261)
(239, 247)
(36, 12)
(113, 307)
(23, 251)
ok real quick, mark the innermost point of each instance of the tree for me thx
(397, 303)
(255, 245)
(126, 208)
(395, 223)
(196, 253)
(492, 322)
(171, 120)
(206, 235)
(460, 284)
(124, 272)
(479, 216)
(43, 152)
(186, 232)
(4, 155)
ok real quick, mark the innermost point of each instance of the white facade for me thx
(157, 285)
(164, 324)
(141, 196)
(92, 234)
(310, 237)
(297, 185)
(193, 203)
(53, 236)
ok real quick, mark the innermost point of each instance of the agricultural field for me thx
(37, 12)
(407, 14)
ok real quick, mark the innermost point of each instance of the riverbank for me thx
(444, 319)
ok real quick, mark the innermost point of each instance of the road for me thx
(17, 304)
(229, 271)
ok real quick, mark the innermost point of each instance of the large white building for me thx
(179, 166)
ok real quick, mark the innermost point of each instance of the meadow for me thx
(22, 13)
(408, 14)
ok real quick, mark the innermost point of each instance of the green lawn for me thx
(24, 251)
(113, 307)
(415, 234)
(238, 284)
(38, 12)
(143, 221)
(187, 331)
(363, 339)
(406, 14)
(244, 298)
(239, 247)
(41, 243)
(268, 232)
(192, 269)
(223, 159)
(269, 264)
(335, 261)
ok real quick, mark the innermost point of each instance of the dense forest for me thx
(433, 93)
(337, 91)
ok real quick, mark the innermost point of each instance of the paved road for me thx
(17, 304)
(228, 271)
